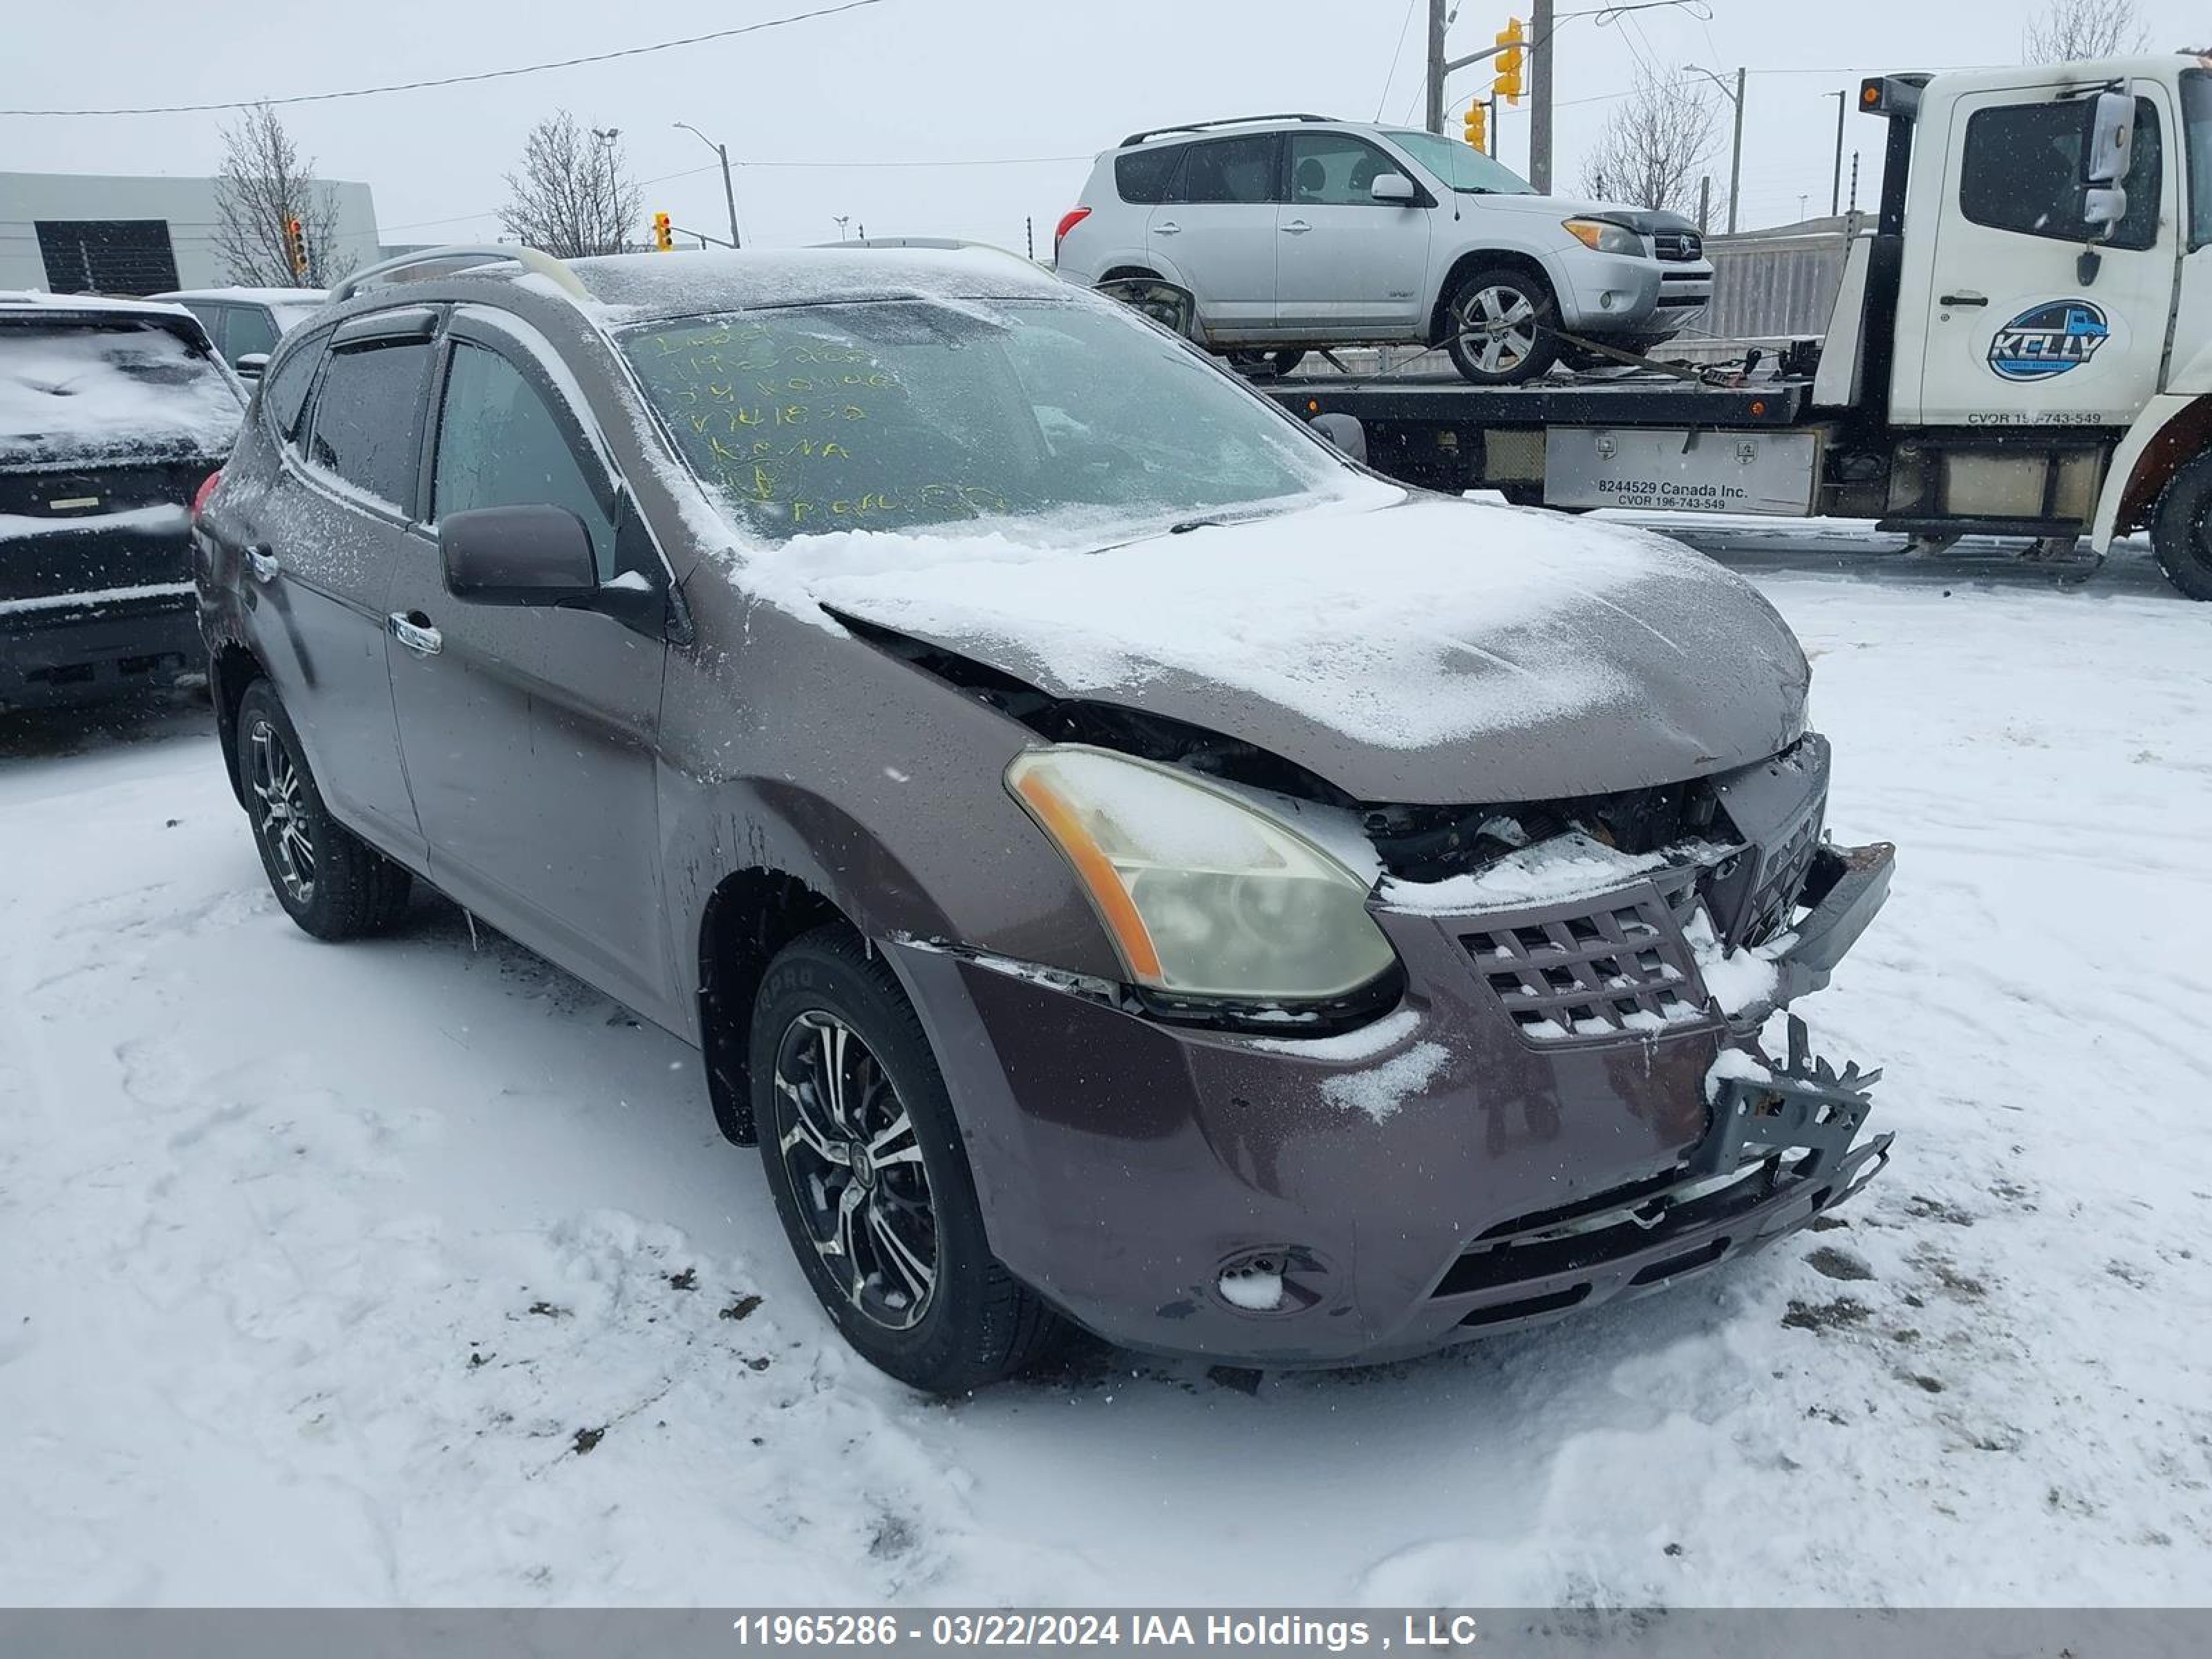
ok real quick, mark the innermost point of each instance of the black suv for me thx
(113, 414)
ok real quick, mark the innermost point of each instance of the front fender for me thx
(2172, 428)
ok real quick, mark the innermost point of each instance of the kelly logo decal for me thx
(2049, 340)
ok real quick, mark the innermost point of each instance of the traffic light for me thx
(1508, 83)
(662, 239)
(295, 247)
(1478, 125)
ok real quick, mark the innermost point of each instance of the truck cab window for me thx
(2022, 172)
(2196, 119)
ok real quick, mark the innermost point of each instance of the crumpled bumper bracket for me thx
(1803, 1103)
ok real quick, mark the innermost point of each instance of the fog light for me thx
(1605, 300)
(1283, 1279)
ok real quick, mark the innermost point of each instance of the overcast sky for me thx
(833, 117)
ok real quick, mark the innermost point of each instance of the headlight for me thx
(1203, 895)
(1604, 235)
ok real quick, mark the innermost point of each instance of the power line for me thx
(1399, 52)
(462, 80)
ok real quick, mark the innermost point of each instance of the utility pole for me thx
(1734, 95)
(1705, 201)
(1836, 184)
(1539, 96)
(729, 189)
(1436, 111)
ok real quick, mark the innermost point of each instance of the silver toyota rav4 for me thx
(1297, 231)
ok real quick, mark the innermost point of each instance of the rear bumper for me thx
(87, 653)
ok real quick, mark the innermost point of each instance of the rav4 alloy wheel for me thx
(329, 880)
(864, 1157)
(1498, 327)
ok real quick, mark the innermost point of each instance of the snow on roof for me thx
(12, 298)
(680, 284)
(266, 296)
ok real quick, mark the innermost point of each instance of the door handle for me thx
(419, 637)
(1167, 229)
(1969, 298)
(1296, 228)
(262, 562)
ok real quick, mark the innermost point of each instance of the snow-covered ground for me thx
(414, 1271)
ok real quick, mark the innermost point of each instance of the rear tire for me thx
(864, 1155)
(2181, 529)
(334, 885)
(1498, 326)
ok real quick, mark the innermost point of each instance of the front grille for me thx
(1678, 246)
(1575, 973)
(1782, 875)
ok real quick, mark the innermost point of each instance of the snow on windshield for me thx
(72, 391)
(906, 415)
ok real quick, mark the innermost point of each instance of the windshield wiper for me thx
(1188, 524)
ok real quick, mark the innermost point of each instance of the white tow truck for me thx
(2021, 345)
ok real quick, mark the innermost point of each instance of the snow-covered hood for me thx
(1424, 650)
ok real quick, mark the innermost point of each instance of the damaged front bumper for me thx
(1844, 888)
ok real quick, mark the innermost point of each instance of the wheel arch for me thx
(2170, 433)
(1484, 259)
(231, 669)
(752, 914)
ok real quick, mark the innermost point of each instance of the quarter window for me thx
(500, 445)
(1240, 170)
(2022, 172)
(1142, 175)
(1334, 169)
(368, 418)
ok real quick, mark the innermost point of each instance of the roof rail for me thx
(1230, 121)
(545, 265)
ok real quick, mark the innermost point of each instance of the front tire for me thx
(1498, 326)
(863, 1154)
(334, 885)
(2181, 529)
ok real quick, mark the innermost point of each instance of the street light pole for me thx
(1836, 183)
(1735, 153)
(606, 137)
(729, 189)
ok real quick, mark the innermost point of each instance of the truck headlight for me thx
(1203, 894)
(1604, 235)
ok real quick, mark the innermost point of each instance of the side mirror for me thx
(518, 555)
(2109, 144)
(250, 367)
(1344, 431)
(1394, 187)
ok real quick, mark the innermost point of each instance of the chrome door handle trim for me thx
(263, 563)
(422, 641)
(1169, 229)
(1296, 228)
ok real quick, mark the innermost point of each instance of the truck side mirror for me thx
(2109, 144)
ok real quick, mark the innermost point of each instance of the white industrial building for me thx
(79, 233)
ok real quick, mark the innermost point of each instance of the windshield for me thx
(68, 392)
(906, 415)
(1460, 165)
(2196, 118)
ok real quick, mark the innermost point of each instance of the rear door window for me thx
(501, 445)
(1143, 175)
(368, 418)
(1236, 170)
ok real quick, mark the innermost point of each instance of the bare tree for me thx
(1651, 149)
(2071, 29)
(265, 187)
(574, 196)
